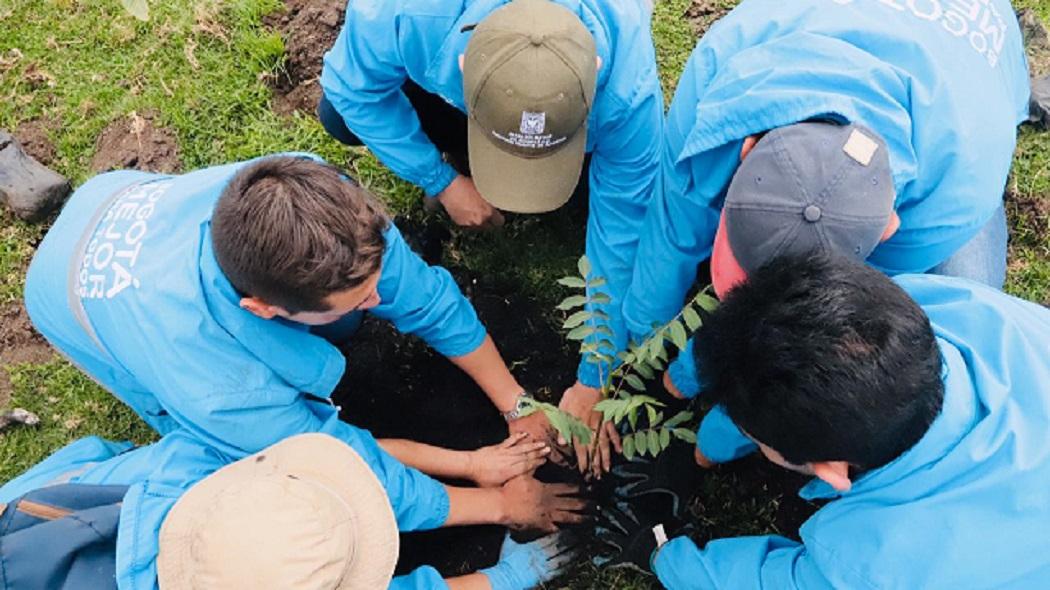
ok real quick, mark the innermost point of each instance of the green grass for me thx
(201, 66)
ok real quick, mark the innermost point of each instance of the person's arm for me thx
(521, 503)
(488, 466)
(425, 301)
(758, 563)
(362, 77)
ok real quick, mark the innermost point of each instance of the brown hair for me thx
(292, 231)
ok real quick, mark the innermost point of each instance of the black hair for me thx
(823, 358)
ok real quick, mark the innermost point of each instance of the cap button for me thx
(812, 213)
(536, 38)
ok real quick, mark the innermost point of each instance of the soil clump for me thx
(19, 343)
(309, 29)
(136, 142)
(701, 14)
(34, 135)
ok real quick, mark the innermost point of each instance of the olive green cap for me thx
(528, 80)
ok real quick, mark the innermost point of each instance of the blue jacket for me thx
(385, 42)
(966, 507)
(945, 86)
(126, 285)
(158, 474)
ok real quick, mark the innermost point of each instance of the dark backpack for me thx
(62, 537)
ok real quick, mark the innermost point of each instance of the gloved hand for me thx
(662, 486)
(629, 538)
(527, 565)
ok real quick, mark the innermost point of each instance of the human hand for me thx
(702, 460)
(671, 387)
(535, 425)
(596, 458)
(530, 504)
(492, 466)
(467, 207)
(527, 565)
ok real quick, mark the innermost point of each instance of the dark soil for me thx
(395, 386)
(35, 138)
(1030, 218)
(702, 13)
(309, 28)
(19, 343)
(136, 142)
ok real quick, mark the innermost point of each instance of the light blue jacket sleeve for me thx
(362, 78)
(425, 301)
(741, 563)
(624, 173)
(423, 578)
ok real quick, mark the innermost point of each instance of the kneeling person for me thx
(192, 297)
(922, 409)
(307, 512)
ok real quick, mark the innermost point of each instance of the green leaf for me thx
(579, 333)
(656, 364)
(705, 301)
(572, 302)
(656, 345)
(599, 314)
(641, 442)
(600, 297)
(609, 407)
(678, 418)
(576, 319)
(652, 415)
(654, 442)
(625, 357)
(632, 419)
(574, 282)
(678, 335)
(685, 434)
(628, 447)
(584, 266)
(644, 371)
(634, 381)
(604, 330)
(603, 357)
(692, 319)
(598, 282)
(138, 8)
(665, 438)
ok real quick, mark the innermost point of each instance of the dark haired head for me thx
(823, 359)
(292, 231)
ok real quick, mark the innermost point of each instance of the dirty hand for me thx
(527, 565)
(702, 460)
(579, 401)
(532, 505)
(492, 466)
(535, 425)
(466, 206)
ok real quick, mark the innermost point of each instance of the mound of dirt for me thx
(35, 140)
(19, 343)
(702, 13)
(136, 142)
(309, 28)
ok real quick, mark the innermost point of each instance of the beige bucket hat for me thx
(307, 512)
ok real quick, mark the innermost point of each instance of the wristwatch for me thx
(521, 403)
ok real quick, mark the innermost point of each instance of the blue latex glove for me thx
(527, 565)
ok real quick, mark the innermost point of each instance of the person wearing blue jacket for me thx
(934, 92)
(920, 404)
(192, 517)
(192, 297)
(527, 87)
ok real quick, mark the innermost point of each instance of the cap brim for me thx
(314, 457)
(524, 185)
(726, 271)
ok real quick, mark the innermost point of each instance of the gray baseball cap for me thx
(810, 186)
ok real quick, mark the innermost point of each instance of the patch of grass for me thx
(16, 248)
(70, 406)
(674, 39)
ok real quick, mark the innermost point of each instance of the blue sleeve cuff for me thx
(588, 374)
(422, 578)
(676, 564)
(439, 180)
(720, 440)
(683, 372)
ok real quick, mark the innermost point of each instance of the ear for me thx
(597, 62)
(891, 227)
(835, 473)
(260, 308)
(461, 63)
(749, 144)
